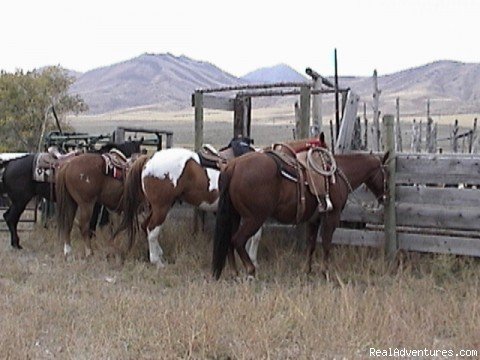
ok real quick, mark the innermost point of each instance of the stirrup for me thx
(328, 202)
(328, 205)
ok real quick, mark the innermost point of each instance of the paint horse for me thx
(83, 182)
(21, 178)
(172, 175)
(259, 186)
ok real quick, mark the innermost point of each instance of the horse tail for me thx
(66, 205)
(132, 199)
(226, 217)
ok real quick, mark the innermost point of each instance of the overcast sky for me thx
(241, 36)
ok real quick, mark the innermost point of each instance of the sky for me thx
(241, 36)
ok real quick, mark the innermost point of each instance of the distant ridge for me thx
(273, 74)
(165, 82)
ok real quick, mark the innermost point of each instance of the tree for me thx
(25, 101)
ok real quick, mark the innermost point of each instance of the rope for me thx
(325, 162)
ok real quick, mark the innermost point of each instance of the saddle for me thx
(310, 168)
(116, 164)
(214, 159)
(45, 164)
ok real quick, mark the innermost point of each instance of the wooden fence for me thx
(426, 211)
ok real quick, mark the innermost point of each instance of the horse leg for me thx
(329, 223)
(154, 228)
(252, 247)
(94, 220)
(231, 250)
(12, 216)
(312, 230)
(65, 229)
(248, 227)
(84, 217)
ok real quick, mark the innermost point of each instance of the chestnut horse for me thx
(81, 183)
(253, 189)
(174, 175)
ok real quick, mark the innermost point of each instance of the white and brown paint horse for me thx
(171, 175)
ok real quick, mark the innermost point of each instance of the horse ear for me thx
(322, 137)
(385, 157)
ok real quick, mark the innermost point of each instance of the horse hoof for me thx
(17, 246)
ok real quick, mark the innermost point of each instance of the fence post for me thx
(454, 136)
(302, 129)
(391, 245)
(398, 128)
(198, 98)
(376, 114)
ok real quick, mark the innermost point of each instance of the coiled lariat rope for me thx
(328, 168)
(328, 161)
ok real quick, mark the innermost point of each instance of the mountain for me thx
(451, 86)
(165, 82)
(162, 81)
(274, 74)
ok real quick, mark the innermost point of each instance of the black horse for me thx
(18, 183)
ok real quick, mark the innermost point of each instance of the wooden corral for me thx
(434, 209)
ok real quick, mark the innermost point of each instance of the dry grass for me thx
(88, 309)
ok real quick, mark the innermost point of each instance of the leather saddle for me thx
(212, 158)
(310, 169)
(46, 163)
(116, 164)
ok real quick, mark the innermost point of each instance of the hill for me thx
(161, 81)
(165, 82)
(273, 74)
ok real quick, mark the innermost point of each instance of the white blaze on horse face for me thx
(156, 252)
(169, 164)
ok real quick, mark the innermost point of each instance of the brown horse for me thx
(80, 183)
(253, 189)
(174, 175)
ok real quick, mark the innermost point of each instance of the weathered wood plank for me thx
(356, 213)
(218, 103)
(436, 168)
(343, 236)
(438, 196)
(344, 140)
(444, 217)
(439, 244)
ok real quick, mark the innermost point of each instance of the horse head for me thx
(377, 182)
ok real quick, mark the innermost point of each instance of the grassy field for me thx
(93, 309)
